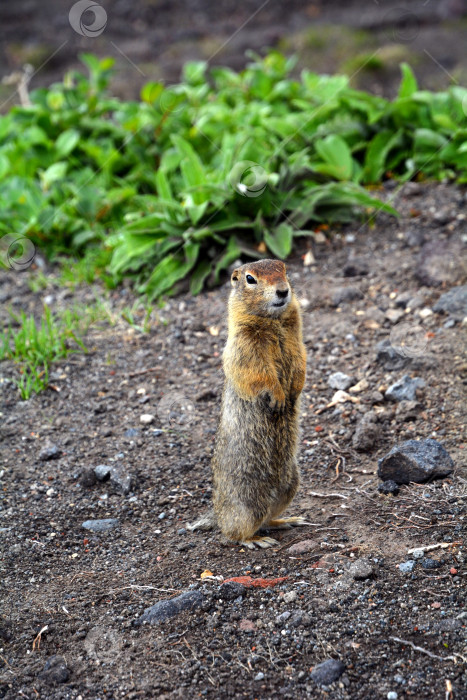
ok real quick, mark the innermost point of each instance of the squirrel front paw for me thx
(276, 400)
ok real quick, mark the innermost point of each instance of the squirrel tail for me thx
(205, 522)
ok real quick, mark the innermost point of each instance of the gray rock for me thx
(453, 302)
(418, 553)
(366, 433)
(132, 432)
(104, 525)
(360, 570)
(404, 389)
(55, 671)
(394, 315)
(388, 487)
(302, 547)
(339, 380)
(407, 566)
(408, 410)
(440, 262)
(231, 590)
(121, 479)
(49, 452)
(429, 563)
(344, 294)
(102, 472)
(327, 672)
(259, 676)
(451, 624)
(165, 609)
(414, 237)
(87, 478)
(355, 267)
(415, 460)
(389, 357)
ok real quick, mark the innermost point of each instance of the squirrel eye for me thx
(250, 279)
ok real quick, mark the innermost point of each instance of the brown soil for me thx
(85, 591)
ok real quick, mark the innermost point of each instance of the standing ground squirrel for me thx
(254, 464)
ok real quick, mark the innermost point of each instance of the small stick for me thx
(144, 371)
(38, 638)
(326, 495)
(425, 651)
(442, 545)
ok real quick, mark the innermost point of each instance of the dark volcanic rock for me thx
(355, 267)
(343, 294)
(121, 479)
(415, 460)
(102, 472)
(327, 672)
(49, 452)
(405, 389)
(388, 487)
(440, 262)
(55, 670)
(453, 302)
(389, 357)
(231, 590)
(165, 609)
(366, 433)
(104, 525)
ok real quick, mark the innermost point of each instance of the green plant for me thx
(34, 346)
(180, 184)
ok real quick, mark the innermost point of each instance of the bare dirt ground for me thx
(152, 39)
(71, 598)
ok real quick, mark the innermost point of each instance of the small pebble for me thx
(259, 676)
(392, 695)
(147, 418)
(407, 566)
(418, 553)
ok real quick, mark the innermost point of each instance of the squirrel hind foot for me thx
(261, 542)
(287, 523)
(205, 522)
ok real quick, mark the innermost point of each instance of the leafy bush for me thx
(184, 181)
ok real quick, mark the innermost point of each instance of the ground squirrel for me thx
(254, 464)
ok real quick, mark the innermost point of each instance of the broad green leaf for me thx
(279, 241)
(66, 142)
(55, 172)
(336, 154)
(169, 271)
(199, 276)
(408, 84)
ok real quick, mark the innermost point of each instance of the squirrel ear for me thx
(234, 278)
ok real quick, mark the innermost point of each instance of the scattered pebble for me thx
(344, 294)
(121, 479)
(392, 695)
(232, 590)
(440, 262)
(259, 676)
(418, 553)
(327, 672)
(388, 487)
(247, 625)
(302, 547)
(429, 563)
(147, 418)
(453, 302)
(55, 671)
(290, 596)
(407, 566)
(49, 451)
(102, 472)
(394, 315)
(361, 569)
(415, 460)
(366, 433)
(339, 380)
(405, 389)
(388, 356)
(104, 525)
(165, 609)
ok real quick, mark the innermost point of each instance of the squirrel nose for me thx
(282, 293)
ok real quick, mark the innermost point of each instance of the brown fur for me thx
(254, 464)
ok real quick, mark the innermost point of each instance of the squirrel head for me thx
(262, 287)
